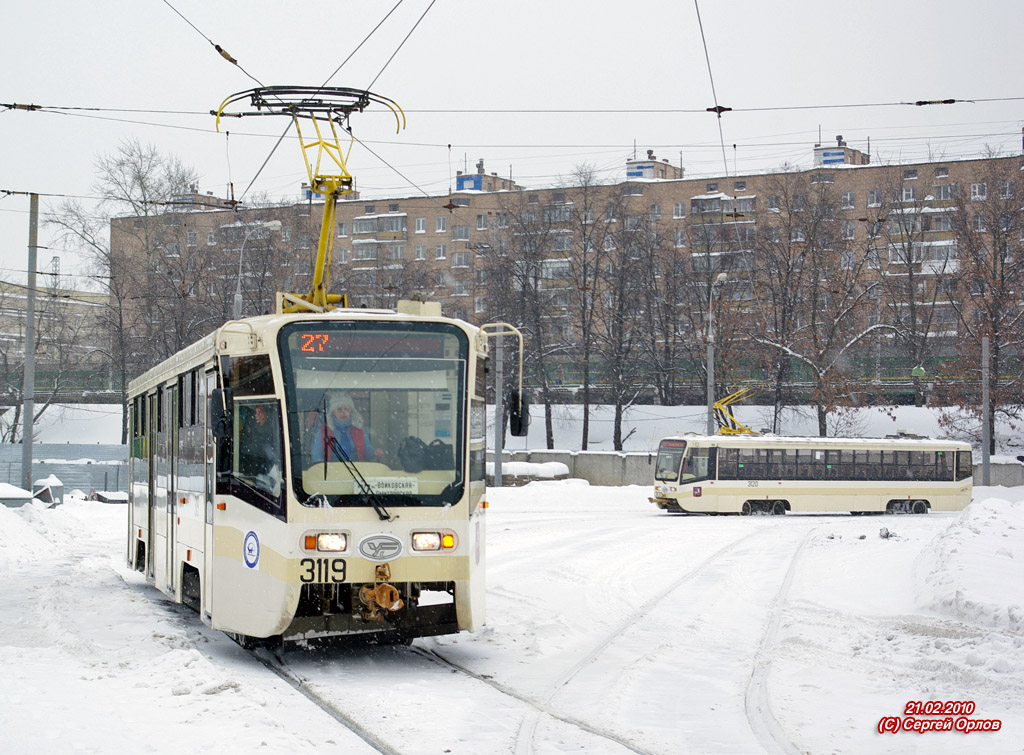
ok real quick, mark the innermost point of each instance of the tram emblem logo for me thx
(380, 547)
(251, 549)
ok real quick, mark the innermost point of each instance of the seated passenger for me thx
(345, 426)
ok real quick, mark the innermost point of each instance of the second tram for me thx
(747, 474)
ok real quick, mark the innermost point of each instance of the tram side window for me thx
(258, 464)
(250, 375)
(943, 465)
(964, 465)
(701, 464)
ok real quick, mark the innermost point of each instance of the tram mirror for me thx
(518, 413)
(221, 411)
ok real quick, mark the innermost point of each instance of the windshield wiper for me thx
(367, 492)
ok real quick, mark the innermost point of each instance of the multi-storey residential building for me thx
(846, 251)
(71, 345)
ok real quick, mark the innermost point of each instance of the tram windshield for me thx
(375, 412)
(670, 453)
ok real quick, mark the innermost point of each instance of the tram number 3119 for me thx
(322, 570)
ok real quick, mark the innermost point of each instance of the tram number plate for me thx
(322, 570)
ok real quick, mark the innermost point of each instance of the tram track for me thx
(543, 706)
(278, 666)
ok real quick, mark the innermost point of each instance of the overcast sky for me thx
(523, 57)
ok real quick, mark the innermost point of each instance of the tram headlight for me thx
(432, 541)
(327, 541)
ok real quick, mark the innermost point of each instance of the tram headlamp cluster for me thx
(432, 541)
(326, 541)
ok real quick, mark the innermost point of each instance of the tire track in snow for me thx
(757, 701)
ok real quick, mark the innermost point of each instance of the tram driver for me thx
(346, 426)
(259, 453)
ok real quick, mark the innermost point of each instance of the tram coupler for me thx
(381, 599)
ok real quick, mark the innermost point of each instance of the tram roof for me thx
(785, 441)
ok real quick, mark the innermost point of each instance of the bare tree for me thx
(989, 222)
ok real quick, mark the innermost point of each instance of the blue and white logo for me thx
(251, 550)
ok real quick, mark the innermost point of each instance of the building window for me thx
(656, 211)
(460, 233)
(421, 252)
(364, 252)
(823, 178)
(481, 222)
(846, 260)
(369, 209)
(442, 224)
(192, 238)
(421, 225)
(910, 174)
(609, 243)
(798, 234)
(978, 191)
(680, 237)
(848, 229)
(1006, 189)
(532, 199)
(441, 252)
(942, 172)
(173, 250)
(908, 194)
(480, 276)
(461, 201)
(460, 288)
(396, 251)
(343, 256)
(945, 192)
(393, 207)
(480, 304)
(342, 229)
(774, 204)
(848, 200)
(211, 238)
(501, 219)
(364, 225)
(460, 259)
(978, 223)
(712, 187)
(740, 186)
(303, 241)
(679, 209)
(874, 197)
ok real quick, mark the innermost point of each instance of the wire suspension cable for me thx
(402, 44)
(718, 108)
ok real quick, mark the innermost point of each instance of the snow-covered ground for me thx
(612, 628)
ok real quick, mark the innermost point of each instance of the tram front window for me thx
(375, 412)
(670, 454)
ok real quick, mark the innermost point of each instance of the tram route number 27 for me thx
(321, 570)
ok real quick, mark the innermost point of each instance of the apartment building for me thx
(900, 229)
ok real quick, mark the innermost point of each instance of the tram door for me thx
(170, 425)
(208, 469)
(151, 453)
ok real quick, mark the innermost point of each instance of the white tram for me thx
(747, 474)
(252, 503)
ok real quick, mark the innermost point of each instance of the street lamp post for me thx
(270, 225)
(719, 280)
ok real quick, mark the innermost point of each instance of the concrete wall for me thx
(83, 466)
(612, 468)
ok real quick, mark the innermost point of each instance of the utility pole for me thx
(499, 409)
(29, 382)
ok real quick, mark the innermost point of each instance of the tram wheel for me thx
(778, 508)
(920, 507)
(746, 509)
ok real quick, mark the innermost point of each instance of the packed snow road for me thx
(612, 628)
